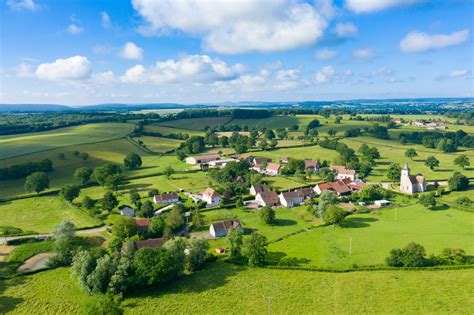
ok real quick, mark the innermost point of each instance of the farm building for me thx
(142, 224)
(126, 210)
(171, 197)
(202, 159)
(211, 197)
(267, 198)
(220, 229)
(221, 163)
(341, 187)
(382, 203)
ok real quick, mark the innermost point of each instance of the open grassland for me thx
(41, 214)
(310, 152)
(273, 122)
(212, 289)
(159, 144)
(196, 123)
(169, 130)
(392, 151)
(374, 235)
(15, 145)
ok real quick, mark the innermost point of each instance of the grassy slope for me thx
(34, 142)
(40, 214)
(373, 235)
(159, 144)
(196, 123)
(168, 130)
(224, 289)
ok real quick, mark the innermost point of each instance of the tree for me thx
(124, 227)
(61, 156)
(82, 265)
(37, 182)
(101, 173)
(331, 132)
(313, 124)
(334, 214)
(393, 172)
(147, 209)
(267, 215)
(263, 144)
(256, 250)
(431, 162)
(197, 219)
(114, 181)
(196, 253)
(84, 156)
(326, 198)
(155, 266)
(135, 199)
(87, 202)
(370, 193)
(83, 175)
(234, 241)
(273, 143)
(411, 153)
(427, 200)
(98, 280)
(413, 255)
(458, 181)
(153, 192)
(109, 201)
(76, 153)
(69, 192)
(63, 234)
(132, 160)
(168, 172)
(269, 134)
(174, 219)
(157, 226)
(462, 161)
(101, 305)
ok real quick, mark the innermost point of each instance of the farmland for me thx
(196, 123)
(159, 144)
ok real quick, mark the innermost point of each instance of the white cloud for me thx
(325, 74)
(325, 54)
(346, 29)
(74, 29)
(459, 73)
(73, 68)
(193, 68)
(382, 71)
(22, 5)
(107, 77)
(105, 18)
(131, 51)
(24, 70)
(363, 54)
(418, 41)
(236, 26)
(367, 6)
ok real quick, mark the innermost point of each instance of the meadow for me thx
(169, 130)
(195, 123)
(227, 289)
(160, 144)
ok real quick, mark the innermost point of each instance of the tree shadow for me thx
(357, 222)
(383, 163)
(284, 222)
(9, 303)
(440, 207)
(282, 259)
(137, 187)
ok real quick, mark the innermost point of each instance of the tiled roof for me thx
(151, 243)
(211, 192)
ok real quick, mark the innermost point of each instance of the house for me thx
(258, 188)
(260, 160)
(151, 243)
(291, 198)
(211, 197)
(312, 165)
(319, 188)
(202, 159)
(284, 160)
(306, 192)
(171, 197)
(342, 172)
(142, 224)
(382, 203)
(267, 199)
(246, 157)
(410, 184)
(127, 211)
(272, 169)
(221, 163)
(220, 229)
(341, 187)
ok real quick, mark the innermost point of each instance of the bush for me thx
(413, 255)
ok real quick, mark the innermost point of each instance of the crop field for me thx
(159, 144)
(270, 123)
(169, 130)
(373, 235)
(41, 214)
(15, 145)
(196, 123)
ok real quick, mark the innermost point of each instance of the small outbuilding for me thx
(382, 203)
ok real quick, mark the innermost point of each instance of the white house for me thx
(171, 197)
(221, 163)
(272, 169)
(291, 198)
(258, 188)
(342, 172)
(211, 197)
(220, 229)
(410, 184)
(267, 199)
(202, 158)
(127, 211)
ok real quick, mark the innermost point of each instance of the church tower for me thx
(406, 171)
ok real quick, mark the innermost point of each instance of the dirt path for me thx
(34, 263)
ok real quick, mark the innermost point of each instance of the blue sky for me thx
(189, 51)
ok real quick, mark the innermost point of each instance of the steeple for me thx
(406, 170)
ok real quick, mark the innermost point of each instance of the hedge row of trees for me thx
(23, 170)
(443, 141)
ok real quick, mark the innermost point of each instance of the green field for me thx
(40, 214)
(196, 123)
(34, 142)
(159, 144)
(169, 130)
(373, 235)
(226, 289)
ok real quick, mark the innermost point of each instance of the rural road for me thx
(95, 231)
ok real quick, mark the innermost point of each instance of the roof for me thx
(342, 170)
(245, 156)
(324, 186)
(260, 160)
(260, 188)
(273, 166)
(165, 197)
(211, 192)
(340, 187)
(142, 222)
(416, 179)
(125, 207)
(311, 164)
(151, 243)
(224, 226)
(305, 191)
(269, 197)
(290, 195)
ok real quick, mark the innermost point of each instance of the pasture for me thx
(374, 235)
(195, 123)
(169, 130)
(159, 144)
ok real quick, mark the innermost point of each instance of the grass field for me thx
(15, 145)
(168, 130)
(196, 123)
(373, 235)
(159, 144)
(212, 289)
(40, 214)
(270, 123)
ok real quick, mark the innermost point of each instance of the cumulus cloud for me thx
(458, 73)
(419, 42)
(105, 18)
(325, 74)
(73, 68)
(22, 5)
(325, 54)
(231, 27)
(345, 29)
(363, 54)
(74, 29)
(193, 68)
(131, 51)
(368, 6)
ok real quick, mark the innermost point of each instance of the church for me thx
(410, 184)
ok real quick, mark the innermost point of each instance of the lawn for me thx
(373, 235)
(227, 289)
(16, 145)
(159, 144)
(196, 123)
(40, 214)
